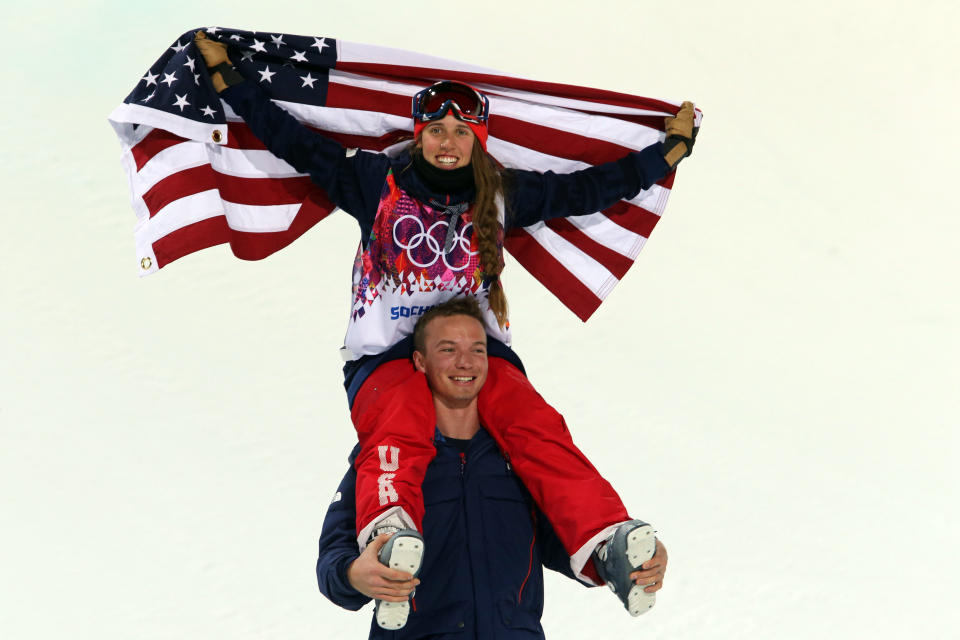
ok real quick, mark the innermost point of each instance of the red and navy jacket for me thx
(486, 544)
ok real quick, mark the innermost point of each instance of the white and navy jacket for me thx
(406, 261)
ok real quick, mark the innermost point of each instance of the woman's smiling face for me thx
(447, 143)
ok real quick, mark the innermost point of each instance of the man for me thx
(486, 539)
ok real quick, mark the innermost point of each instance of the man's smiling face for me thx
(454, 359)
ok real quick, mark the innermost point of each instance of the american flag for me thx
(198, 176)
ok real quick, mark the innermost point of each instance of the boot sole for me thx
(392, 615)
(406, 554)
(641, 545)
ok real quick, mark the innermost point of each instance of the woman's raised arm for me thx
(352, 181)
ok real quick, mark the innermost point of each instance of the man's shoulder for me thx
(353, 454)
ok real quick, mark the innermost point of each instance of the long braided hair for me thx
(489, 188)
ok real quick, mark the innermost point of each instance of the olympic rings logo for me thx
(427, 239)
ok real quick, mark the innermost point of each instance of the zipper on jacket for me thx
(466, 519)
(533, 518)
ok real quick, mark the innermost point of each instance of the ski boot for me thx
(632, 544)
(403, 552)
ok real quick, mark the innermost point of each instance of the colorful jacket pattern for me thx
(357, 182)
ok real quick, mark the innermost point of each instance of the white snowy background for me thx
(774, 384)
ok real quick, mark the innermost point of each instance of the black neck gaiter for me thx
(443, 180)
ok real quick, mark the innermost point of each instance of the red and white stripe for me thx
(190, 193)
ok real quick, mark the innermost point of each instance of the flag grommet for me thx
(146, 263)
(216, 135)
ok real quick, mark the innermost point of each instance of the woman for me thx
(432, 229)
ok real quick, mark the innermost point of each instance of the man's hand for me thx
(375, 580)
(651, 572)
(681, 135)
(213, 52)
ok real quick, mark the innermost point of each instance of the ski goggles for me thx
(465, 102)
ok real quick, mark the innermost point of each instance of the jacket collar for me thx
(411, 181)
(481, 438)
